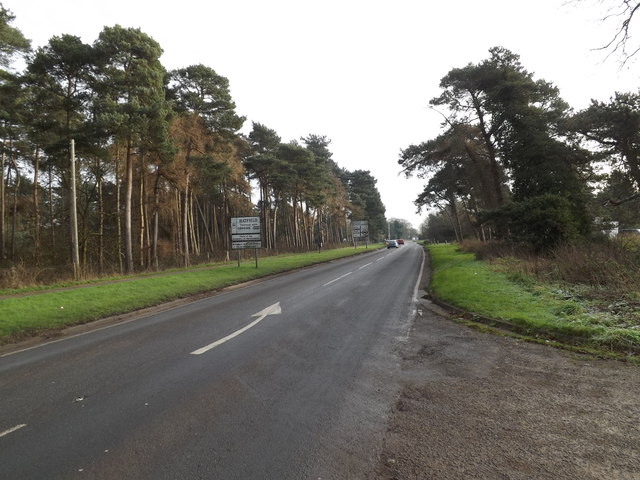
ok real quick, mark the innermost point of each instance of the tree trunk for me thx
(128, 200)
(2, 204)
(15, 208)
(491, 150)
(156, 214)
(100, 218)
(144, 239)
(214, 220)
(73, 217)
(118, 217)
(455, 219)
(294, 225)
(52, 222)
(185, 223)
(193, 227)
(176, 223)
(205, 226)
(275, 225)
(36, 204)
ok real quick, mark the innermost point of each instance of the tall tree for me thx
(200, 92)
(12, 41)
(296, 167)
(615, 127)
(364, 195)
(445, 163)
(330, 198)
(456, 166)
(11, 95)
(261, 165)
(131, 93)
(519, 120)
(199, 89)
(58, 77)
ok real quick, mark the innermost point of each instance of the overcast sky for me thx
(360, 72)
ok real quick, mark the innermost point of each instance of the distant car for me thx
(392, 244)
(400, 241)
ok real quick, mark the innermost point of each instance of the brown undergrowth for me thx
(603, 276)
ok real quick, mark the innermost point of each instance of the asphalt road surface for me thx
(290, 378)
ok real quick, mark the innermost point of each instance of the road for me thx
(290, 378)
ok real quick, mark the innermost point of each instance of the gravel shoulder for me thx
(478, 405)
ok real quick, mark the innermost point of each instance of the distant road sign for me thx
(360, 229)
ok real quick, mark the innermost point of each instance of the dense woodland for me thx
(159, 166)
(515, 162)
(156, 160)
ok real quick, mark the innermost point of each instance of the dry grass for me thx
(602, 278)
(612, 265)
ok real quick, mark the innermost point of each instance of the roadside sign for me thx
(241, 225)
(240, 245)
(241, 237)
(360, 229)
(245, 233)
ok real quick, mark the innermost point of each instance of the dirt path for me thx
(480, 406)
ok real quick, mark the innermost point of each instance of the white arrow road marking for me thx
(272, 310)
(11, 430)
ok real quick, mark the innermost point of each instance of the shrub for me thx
(541, 222)
(612, 265)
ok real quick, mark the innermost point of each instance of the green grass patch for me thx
(531, 308)
(23, 314)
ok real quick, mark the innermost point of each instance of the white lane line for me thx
(272, 310)
(11, 430)
(381, 258)
(336, 279)
(364, 266)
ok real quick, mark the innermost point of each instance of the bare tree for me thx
(622, 14)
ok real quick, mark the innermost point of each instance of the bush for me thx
(609, 264)
(541, 222)
(600, 264)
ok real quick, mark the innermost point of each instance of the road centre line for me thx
(364, 266)
(336, 279)
(11, 430)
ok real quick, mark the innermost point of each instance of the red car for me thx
(400, 241)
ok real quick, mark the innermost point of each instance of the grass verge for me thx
(27, 312)
(530, 308)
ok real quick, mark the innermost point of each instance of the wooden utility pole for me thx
(75, 254)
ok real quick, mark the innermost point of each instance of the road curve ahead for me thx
(291, 378)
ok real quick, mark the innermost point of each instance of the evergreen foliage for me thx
(512, 161)
(161, 165)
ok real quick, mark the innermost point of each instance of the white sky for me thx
(360, 72)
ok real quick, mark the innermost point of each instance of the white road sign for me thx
(245, 232)
(360, 229)
(245, 225)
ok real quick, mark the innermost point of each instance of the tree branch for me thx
(616, 203)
